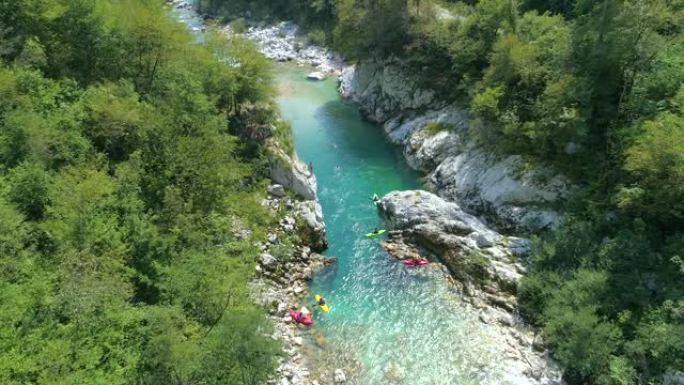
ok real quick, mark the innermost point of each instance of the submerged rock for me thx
(316, 75)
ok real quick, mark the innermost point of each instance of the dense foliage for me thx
(125, 204)
(594, 88)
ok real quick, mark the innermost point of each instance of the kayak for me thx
(373, 235)
(304, 320)
(323, 307)
(411, 262)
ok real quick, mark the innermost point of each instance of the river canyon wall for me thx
(436, 140)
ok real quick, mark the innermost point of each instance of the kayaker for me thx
(417, 259)
(302, 316)
(321, 301)
(376, 231)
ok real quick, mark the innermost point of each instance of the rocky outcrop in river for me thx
(485, 264)
(436, 141)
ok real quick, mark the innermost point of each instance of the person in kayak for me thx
(417, 259)
(302, 316)
(321, 301)
(299, 316)
(376, 231)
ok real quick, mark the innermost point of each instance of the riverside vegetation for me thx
(129, 208)
(592, 88)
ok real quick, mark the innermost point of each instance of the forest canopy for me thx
(122, 191)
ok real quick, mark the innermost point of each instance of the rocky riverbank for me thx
(282, 42)
(485, 264)
(435, 139)
(289, 256)
(283, 272)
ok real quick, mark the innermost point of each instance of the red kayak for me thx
(412, 262)
(298, 317)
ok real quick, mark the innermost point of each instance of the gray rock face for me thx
(312, 225)
(268, 261)
(383, 90)
(282, 42)
(294, 175)
(495, 188)
(435, 141)
(277, 190)
(673, 377)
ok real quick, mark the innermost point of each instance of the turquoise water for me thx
(388, 323)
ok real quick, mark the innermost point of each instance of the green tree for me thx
(29, 185)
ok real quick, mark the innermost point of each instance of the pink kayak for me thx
(298, 317)
(411, 262)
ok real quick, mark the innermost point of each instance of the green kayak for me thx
(376, 234)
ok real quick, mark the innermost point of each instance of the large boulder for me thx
(310, 224)
(472, 252)
(287, 170)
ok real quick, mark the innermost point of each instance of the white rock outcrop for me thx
(460, 240)
(282, 42)
(290, 172)
(382, 90)
(316, 75)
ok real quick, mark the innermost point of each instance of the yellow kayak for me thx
(323, 307)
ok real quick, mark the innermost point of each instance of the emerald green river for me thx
(388, 323)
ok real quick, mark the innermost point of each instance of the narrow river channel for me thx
(389, 323)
